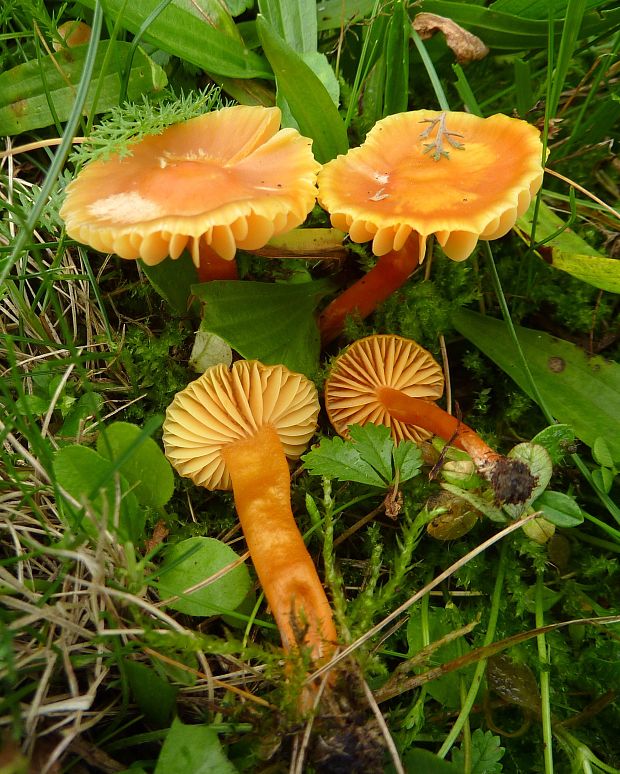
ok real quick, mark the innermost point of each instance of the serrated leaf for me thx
(191, 561)
(339, 459)
(273, 323)
(374, 444)
(580, 391)
(407, 460)
(194, 749)
(559, 508)
(486, 753)
(145, 468)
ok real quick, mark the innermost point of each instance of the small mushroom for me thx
(454, 175)
(393, 381)
(225, 180)
(235, 429)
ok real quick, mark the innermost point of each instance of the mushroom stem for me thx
(511, 479)
(261, 486)
(213, 267)
(389, 273)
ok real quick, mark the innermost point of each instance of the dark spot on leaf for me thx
(556, 364)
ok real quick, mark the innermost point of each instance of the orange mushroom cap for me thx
(230, 178)
(224, 406)
(370, 364)
(454, 175)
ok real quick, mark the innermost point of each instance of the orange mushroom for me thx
(225, 180)
(462, 178)
(393, 381)
(235, 429)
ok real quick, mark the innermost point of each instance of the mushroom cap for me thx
(374, 362)
(224, 406)
(392, 185)
(230, 177)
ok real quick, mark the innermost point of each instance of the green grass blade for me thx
(294, 21)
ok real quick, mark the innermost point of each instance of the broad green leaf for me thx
(270, 322)
(559, 508)
(145, 467)
(569, 252)
(26, 90)
(579, 391)
(191, 561)
(293, 20)
(601, 453)
(173, 281)
(336, 458)
(177, 31)
(154, 695)
(539, 462)
(93, 480)
(538, 9)
(309, 101)
(192, 750)
(375, 445)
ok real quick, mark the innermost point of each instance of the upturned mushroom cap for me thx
(230, 177)
(374, 362)
(400, 183)
(224, 406)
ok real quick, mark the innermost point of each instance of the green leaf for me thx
(579, 391)
(194, 749)
(91, 479)
(145, 468)
(602, 455)
(556, 439)
(310, 103)
(396, 90)
(87, 406)
(486, 753)
(539, 462)
(374, 444)
(26, 90)
(173, 281)
(479, 503)
(155, 697)
(194, 560)
(426, 762)
(273, 323)
(569, 252)
(407, 460)
(339, 459)
(293, 20)
(559, 508)
(177, 31)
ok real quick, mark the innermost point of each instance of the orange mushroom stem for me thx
(235, 429)
(390, 272)
(510, 478)
(393, 381)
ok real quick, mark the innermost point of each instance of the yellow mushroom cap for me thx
(394, 184)
(224, 406)
(380, 361)
(230, 177)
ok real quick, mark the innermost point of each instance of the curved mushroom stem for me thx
(261, 486)
(511, 479)
(214, 267)
(389, 273)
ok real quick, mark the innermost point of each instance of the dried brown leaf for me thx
(466, 46)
